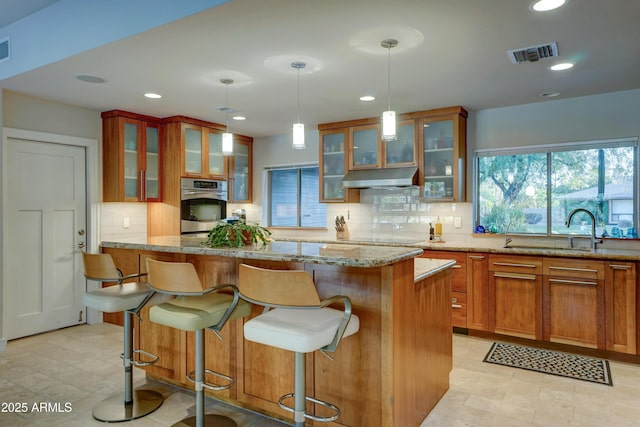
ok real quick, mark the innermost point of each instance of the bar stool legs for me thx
(131, 404)
(201, 419)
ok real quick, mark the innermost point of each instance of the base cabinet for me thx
(478, 291)
(573, 302)
(459, 298)
(621, 306)
(515, 293)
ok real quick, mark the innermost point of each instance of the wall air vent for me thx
(533, 53)
(4, 49)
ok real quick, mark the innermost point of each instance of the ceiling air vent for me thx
(533, 53)
(4, 49)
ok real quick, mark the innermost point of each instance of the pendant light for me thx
(298, 128)
(227, 138)
(389, 116)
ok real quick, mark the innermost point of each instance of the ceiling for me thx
(449, 53)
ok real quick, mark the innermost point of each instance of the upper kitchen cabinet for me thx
(132, 157)
(202, 152)
(240, 170)
(442, 136)
(369, 151)
(334, 161)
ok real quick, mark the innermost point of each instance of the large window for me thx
(532, 190)
(293, 197)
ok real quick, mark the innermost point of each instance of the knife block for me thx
(343, 234)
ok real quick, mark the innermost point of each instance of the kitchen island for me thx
(391, 373)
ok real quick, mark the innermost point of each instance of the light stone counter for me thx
(349, 255)
(427, 267)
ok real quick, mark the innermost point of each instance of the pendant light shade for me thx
(227, 137)
(389, 116)
(227, 144)
(298, 128)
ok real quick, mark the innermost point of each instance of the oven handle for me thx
(190, 194)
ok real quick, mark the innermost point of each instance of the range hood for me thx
(365, 178)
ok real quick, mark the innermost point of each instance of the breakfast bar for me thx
(391, 373)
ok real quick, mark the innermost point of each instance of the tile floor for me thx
(80, 365)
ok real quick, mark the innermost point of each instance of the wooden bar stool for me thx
(296, 320)
(195, 309)
(128, 298)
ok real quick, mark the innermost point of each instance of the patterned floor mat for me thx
(550, 362)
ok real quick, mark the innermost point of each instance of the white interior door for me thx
(45, 232)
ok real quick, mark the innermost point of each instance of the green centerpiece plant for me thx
(236, 235)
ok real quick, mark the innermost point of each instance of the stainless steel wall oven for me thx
(203, 202)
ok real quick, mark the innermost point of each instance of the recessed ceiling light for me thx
(549, 94)
(88, 78)
(239, 117)
(153, 95)
(562, 66)
(367, 98)
(547, 5)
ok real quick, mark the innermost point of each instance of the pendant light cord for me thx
(298, 94)
(389, 79)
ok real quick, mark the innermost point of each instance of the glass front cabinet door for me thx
(332, 165)
(365, 147)
(402, 151)
(443, 146)
(240, 171)
(132, 158)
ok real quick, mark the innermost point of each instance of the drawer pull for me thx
(515, 276)
(456, 266)
(454, 299)
(620, 267)
(476, 256)
(573, 282)
(508, 264)
(456, 306)
(584, 270)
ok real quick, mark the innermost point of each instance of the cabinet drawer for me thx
(577, 268)
(459, 309)
(515, 264)
(459, 271)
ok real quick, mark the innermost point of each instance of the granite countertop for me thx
(496, 246)
(348, 255)
(425, 267)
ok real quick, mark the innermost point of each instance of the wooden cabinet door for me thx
(620, 301)
(574, 302)
(478, 292)
(459, 300)
(515, 296)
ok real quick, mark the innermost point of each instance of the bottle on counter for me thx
(438, 231)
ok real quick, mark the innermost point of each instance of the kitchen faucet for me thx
(593, 225)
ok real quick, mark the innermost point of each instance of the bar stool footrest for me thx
(313, 400)
(214, 387)
(141, 363)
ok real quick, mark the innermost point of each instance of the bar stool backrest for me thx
(173, 277)
(100, 267)
(277, 287)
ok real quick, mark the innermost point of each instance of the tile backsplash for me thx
(120, 221)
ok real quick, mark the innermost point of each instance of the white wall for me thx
(51, 33)
(595, 117)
